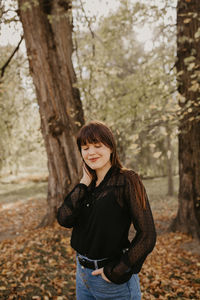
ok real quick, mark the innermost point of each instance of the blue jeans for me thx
(90, 287)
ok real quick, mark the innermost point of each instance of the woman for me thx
(101, 209)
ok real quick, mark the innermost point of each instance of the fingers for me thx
(100, 272)
(105, 278)
(85, 170)
(97, 272)
(86, 178)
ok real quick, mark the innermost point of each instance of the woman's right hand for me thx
(86, 178)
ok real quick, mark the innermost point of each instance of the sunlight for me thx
(145, 35)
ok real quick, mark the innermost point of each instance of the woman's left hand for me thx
(100, 272)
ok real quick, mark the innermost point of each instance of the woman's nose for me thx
(91, 150)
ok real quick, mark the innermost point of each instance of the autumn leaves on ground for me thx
(40, 264)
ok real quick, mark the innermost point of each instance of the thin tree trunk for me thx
(188, 67)
(170, 155)
(48, 35)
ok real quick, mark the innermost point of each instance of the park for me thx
(131, 64)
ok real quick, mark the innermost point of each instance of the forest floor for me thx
(40, 264)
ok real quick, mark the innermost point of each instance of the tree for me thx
(188, 67)
(130, 88)
(47, 29)
(19, 122)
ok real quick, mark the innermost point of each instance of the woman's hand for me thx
(100, 272)
(86, 178)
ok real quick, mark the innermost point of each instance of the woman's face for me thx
(96, 156)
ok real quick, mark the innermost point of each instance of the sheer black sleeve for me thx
(70, 209)
(120, 271)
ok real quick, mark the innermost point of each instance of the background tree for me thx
(21, 144)
(188, 67)
(122, 82)
(49, 50)
(130, 87)
(20, 136)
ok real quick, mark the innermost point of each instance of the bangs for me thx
(95, 132)
(91, 136)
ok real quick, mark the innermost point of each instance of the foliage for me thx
(19, 123)
(8, 12)
(188, 62)
(128, 87)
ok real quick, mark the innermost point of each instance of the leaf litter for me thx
(40, 263)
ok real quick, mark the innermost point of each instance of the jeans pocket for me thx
(100, 278)
(112, 290)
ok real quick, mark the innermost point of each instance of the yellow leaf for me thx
(157, 154)
(69, 250)
(186, 21)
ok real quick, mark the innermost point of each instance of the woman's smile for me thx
(96, 156)
(93, 159)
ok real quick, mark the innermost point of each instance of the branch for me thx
(10, 58)
(90, 28)
(4, 12)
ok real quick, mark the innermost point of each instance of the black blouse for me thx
(101, 217)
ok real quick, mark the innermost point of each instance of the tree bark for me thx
(47, 29)
(188, 67)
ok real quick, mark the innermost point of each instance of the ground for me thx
(40, 264)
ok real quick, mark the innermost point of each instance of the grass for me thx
(157, 193)
(13, 192)
(156, 190)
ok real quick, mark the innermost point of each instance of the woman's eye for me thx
(86, 148)
(97, 145)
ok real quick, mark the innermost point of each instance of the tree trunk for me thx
(48, 35)
(170, 157)
(188, 67)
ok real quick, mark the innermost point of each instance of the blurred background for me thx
(124, 56)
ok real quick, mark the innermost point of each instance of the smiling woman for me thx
(101, 209)
(97, 157)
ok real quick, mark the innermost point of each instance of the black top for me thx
(101, 217)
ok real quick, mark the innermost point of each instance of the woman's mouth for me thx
(93, 159)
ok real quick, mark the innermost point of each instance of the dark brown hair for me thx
(98, 132)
